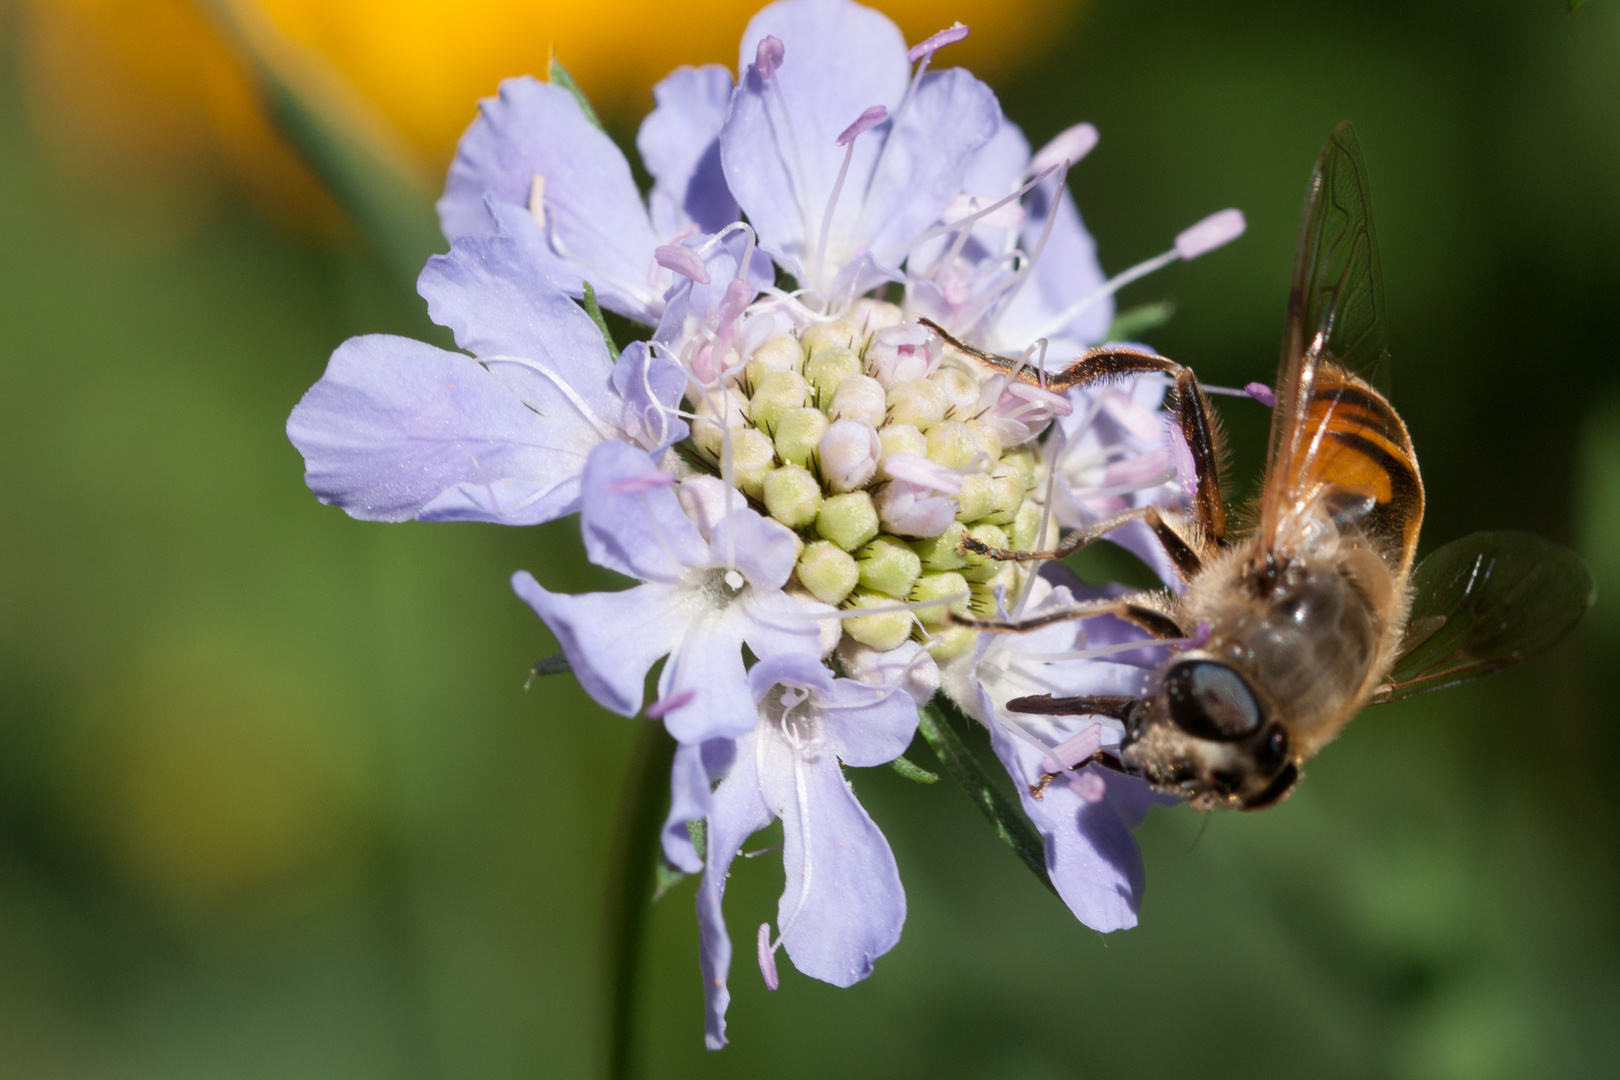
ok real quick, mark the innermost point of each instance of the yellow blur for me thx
(150, 86)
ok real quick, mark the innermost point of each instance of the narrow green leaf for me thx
(560, 75)
(1576, 5)
(665, 878)
(911, 771)
(1138, 320)
(594, 310)
(361, 161)
(934, 721)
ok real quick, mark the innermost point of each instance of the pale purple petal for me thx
(762, 550)
(791, 669)
(396, 426)
(951, 116)
(707, 660)
(868, 725)
(629, 527)
(651, 387)
(679, 143)
(843, 905)
(611, 639)
(594, 225)
(738, 811)
(497, 302)
(1066, 271)
(689, 800)
(776, 623)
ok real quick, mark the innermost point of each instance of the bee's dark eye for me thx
(1211, 701)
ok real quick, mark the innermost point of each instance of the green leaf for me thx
(911, 771)
(559, 75)
(1576, 5)
(594, 310)
(1138, 320)
(357, 155)
(935, 723)
(665, 878)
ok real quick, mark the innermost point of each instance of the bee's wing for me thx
(1335, 321)
(1484, 603)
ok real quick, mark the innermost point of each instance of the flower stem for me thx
(935, 723)
(642, 805)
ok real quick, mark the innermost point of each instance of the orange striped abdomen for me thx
(1356, 458)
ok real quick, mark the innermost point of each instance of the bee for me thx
(1288, 632)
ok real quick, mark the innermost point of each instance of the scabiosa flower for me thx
(399, 429)
(790, 464)
(1084, 814)
(843, 906)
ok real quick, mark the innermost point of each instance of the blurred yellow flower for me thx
(151, 83)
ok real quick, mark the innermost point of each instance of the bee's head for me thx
(1207, 736)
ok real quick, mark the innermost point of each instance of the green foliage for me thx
(937, 722)
(561, 76)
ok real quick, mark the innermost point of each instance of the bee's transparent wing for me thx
(1486, 602)
(1335, 317)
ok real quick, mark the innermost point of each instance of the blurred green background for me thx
(273, 799)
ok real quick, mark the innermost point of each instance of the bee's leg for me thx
(1146, 611)
(1187, 552)
(1193, 416)
(1114, 706)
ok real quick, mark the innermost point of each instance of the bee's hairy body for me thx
(1309, 614)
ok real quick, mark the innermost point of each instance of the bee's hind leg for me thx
(1146, 611)
(1187, 551)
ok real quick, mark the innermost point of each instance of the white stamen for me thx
(603, 429)
(734, 579)
(1219, 228)
(1067, 148)
(537, 200)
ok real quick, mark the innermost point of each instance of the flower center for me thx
(882, 448)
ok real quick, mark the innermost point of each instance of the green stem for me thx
(934, 721)
(642, 806)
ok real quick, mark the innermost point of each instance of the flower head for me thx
(843, 906)
(790, 470)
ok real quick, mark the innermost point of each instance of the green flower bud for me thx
(888, 566)
(983, 603)
(828, 571)
(882, 632)
(952, 445)
(827, 368)
(952, 642)
(777, 392)
(961, 390)
(977, 497)
(988, 440)
(828, 335)
(902, 439)
(798, 433)
(752, 456)
(941, 552)
(1026, 527)
(919, 403)
(981, 567)
(779, 353)
(706, 427)
(873, 315)
(792, 495)
(1009, 495)
(848, 520)
(1024, 462)
(938, 587)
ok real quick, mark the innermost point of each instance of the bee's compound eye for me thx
(1211, 701)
